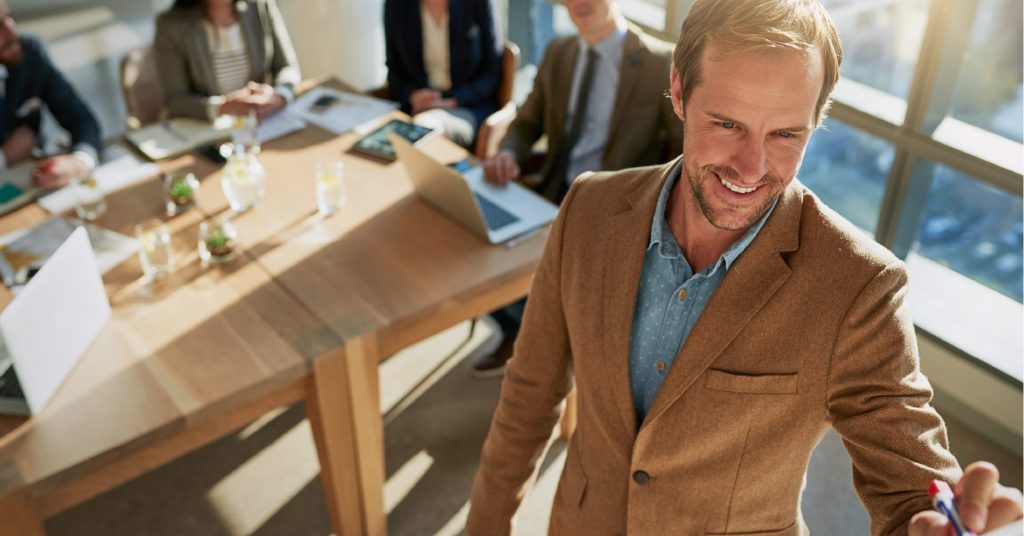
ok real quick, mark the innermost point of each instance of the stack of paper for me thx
(348, 112)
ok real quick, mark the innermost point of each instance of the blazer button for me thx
(641, 477)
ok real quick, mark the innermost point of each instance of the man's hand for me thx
(984, 505)
(18, 146)
(422, 100)
(502, 168)
(56, 171)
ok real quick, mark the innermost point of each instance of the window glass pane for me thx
(848, 169)
(974, 229)
(990, 78)
(965, 268)
(881, 41)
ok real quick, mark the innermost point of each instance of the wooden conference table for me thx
(306, 313)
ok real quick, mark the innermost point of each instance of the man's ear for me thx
(676, 87)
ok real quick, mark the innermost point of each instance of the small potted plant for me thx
(216, 242)
(181, 192)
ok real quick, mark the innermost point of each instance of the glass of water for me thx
(155, 251)
(89, 201)
(330, 187)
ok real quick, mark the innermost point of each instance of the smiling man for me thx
(718, 319)
(29, 81)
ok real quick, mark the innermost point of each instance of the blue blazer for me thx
(475, 43)
(34, 82)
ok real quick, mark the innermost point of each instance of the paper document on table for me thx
(23, 252)
(280, 124)
(167, 139)
(122, 169)
(340, 111)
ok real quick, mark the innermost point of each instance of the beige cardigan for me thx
(809, 329)
(185, 66)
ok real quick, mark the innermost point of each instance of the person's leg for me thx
(457, 124)
(509, 318)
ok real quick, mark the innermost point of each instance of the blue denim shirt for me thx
(669, 301)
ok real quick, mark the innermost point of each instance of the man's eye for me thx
(728, 124)
(785, 134)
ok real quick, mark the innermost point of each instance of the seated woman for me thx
(224, 57)
(444, 62)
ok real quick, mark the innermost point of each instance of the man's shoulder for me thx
(825, 232)
(611, 191)
(31, 45)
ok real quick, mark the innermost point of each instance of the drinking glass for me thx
(181, 192)
(244, 181)
(155, 251)
(216, 241)
(330, 187)
(89, 201)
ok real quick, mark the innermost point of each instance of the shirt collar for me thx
(661, 235)
(611, 45)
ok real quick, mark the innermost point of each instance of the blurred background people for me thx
(444, 62)
(224, 57)
(29, 81)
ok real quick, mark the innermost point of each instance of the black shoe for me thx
(493, 364)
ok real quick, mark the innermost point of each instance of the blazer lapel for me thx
(561, 85)
(199, 50)
(252, 30)
(629, 75)
(626, 235)
(750, 283)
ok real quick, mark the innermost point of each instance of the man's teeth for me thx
(735, 188)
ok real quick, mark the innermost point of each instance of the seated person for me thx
(29, 80)
(219, 57)
(626, 118)
(444, 67)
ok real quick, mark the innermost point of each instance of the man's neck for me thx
(601, 33)
(701, 242)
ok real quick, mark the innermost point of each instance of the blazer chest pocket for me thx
(731, 382)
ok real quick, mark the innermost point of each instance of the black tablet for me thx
(376, 143)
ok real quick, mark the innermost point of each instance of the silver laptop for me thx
(494, 213)
(49, 326)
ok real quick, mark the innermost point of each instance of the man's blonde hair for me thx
(739, 25)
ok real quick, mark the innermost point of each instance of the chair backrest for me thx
(509, 63)
(143, 97)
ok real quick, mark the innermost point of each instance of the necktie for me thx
(555, 186)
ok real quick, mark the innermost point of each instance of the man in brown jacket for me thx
(718, 318)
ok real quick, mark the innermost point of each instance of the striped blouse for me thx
(230, 57)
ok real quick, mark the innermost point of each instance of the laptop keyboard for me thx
(9, 386)
(495, 216)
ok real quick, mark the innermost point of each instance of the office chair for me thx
(143, 97)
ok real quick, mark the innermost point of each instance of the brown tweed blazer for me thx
(809, 329)
(643, 129)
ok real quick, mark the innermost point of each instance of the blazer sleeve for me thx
(528, 126)
(398, 80)
(879, 403)
(536, 381)
(67, 107)
(172, 68)
(483, 86)
(284, 64)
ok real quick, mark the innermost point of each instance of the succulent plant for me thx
(181, 193)
(218, 243)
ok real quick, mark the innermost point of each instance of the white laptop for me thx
(49, 326)
(494, 213)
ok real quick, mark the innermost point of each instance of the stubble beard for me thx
(698, 177)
